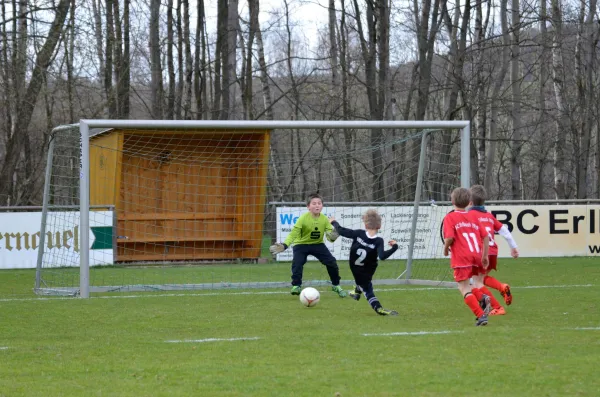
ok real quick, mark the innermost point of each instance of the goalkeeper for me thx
(307, 237)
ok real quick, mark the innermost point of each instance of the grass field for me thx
(163, 344)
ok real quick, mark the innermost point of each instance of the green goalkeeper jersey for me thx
(309, 230)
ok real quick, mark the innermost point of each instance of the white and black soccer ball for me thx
(310, 297)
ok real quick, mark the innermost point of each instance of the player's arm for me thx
(280, 247)
(447, 243)
(330, 232)
(504, 232)
(485, 261)
(348, 233)
(383, 254)
(447, 234)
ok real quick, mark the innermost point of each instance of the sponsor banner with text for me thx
(539, 230)
(20, 236)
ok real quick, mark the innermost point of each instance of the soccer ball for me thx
(309, 297)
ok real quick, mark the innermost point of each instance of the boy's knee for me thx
(331, 264)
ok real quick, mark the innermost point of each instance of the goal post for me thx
(243, 151)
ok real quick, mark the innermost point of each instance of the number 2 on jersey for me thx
(362, 254)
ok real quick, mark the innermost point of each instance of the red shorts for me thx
(493, 262)
(465, 273)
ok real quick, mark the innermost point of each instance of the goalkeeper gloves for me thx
(277, 248)
(332, 235)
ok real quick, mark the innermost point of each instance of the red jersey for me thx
(468, 239)
(489, 223)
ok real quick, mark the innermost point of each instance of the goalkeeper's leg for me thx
(321, 252)
(298, 261)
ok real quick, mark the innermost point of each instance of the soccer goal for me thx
(135, 205)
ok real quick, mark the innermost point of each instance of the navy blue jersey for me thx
(365, 251)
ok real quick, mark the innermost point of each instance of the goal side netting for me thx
(189, 205)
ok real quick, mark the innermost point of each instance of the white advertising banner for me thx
(539, 230)
(20, 236)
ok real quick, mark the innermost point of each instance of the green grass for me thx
(115, 345)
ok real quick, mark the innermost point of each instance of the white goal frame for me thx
(86, 124)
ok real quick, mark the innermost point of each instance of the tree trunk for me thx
(155, 62)
(187, 48)
(542, 92)
(99, 36)
(515, 82)
(125, 80)
(264, 74)
(200, 64)
(230, 88)
(180, 63)
(584, 56)
(558, 77)
(110, 67)
(221, 53)
(253, 28)
(69, 59)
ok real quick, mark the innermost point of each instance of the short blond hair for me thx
(372, 219)
(478, 194)
(460, 197)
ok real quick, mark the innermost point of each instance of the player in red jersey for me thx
(468, 244)
(492, 226)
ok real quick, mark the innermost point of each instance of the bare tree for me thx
(264, 75)
(584, 54)
(155, 62)
(172, 80)
(18, 136)
(187, 50)
(562, 104)
(494, 100)
(515, 82)
(229, 87)
(542, 91)
(453, 83)
(109, 67)
(375, 52)
(200, 67)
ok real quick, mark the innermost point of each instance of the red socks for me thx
(492, 283)
(473, 304)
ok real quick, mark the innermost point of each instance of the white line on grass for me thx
(414, 333)
(3, 348)
(149, 295)
(211, 340)
(586, 329)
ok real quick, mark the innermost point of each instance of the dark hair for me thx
(460, 197)
(372, 219)
(313, 196)
(478, 194)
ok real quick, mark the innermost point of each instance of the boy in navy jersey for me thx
(365, 251)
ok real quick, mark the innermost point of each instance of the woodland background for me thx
(525, 72)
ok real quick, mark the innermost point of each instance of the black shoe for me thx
(355, 294)
(481, 321)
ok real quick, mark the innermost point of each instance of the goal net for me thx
(188, 205)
